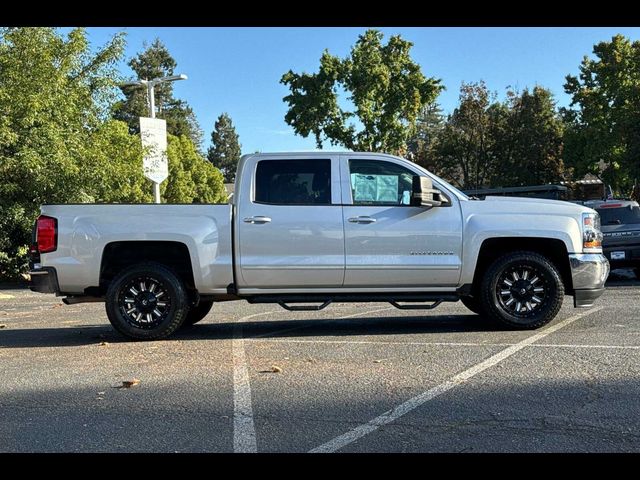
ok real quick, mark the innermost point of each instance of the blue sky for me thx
(237, 70)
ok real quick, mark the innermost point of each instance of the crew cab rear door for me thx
(289, 223)
(388, 242)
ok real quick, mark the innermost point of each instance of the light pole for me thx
(151, 101)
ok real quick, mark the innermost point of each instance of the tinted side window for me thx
(374, 182)
(293, 182)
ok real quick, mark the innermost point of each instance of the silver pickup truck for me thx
(307, 229)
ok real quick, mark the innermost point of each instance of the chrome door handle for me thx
(361, 219)
(258, 219)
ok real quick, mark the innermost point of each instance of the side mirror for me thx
(424, 195)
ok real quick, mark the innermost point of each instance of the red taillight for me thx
(46, 234)
(610, 205)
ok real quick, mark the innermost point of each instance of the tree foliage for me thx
(224, 151)
(603, 132)
(192, 179)
(529, 141)
(485, 142)
(154, 62)
(385, 86)
(464, 149)
(59, 145)
(54, 96)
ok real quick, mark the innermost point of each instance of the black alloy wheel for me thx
(143, 302)
(147, 301)
(522, 290)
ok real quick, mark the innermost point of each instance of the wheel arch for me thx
(120, 255)
(555, 250)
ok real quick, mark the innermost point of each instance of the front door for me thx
(388, 242)
(290, 224)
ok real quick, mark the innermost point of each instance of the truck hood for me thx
(531, 205)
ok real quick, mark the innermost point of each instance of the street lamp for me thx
(150, 84)
(151, 101)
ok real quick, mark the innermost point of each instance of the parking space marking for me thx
(391, 415)
(446, 344)
(244, 432)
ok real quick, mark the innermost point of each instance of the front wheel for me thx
(522, 290)
(147, 301)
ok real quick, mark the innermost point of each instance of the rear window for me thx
(293, 182)
(619, 216)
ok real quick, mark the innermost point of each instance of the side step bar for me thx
(304, 308)
(417, 307)
(324, 300)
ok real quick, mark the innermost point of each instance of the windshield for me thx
(619, 216)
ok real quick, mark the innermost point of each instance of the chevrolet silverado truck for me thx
(307, 229)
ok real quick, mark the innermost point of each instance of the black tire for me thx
(198, 313)
(522, 290)
(473, 304)
(163, 302)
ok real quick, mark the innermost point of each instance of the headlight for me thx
(591, 234)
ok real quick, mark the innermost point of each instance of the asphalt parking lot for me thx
(352, 378)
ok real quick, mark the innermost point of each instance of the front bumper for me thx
(44, 280)
(589, 271)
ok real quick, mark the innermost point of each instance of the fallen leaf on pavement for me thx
(58, 305)
(273, 369)
(377, 361)
(129, 383)
(103, 344)
(2, 325)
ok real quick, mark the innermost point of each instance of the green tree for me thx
(54, 97)
(385, 86)
(192, 179)
(529, 140)
(154, 62)
(603, 133)
(224, 151)
(422, 144)
(464, 151)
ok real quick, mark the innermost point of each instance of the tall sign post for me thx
(153, 133)
(155, 165)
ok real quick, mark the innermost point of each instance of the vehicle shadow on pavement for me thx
(401, 325)
(327, 327)
(622, 277)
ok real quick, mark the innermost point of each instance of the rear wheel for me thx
(147, 301)
(198, 313)
(522, 290)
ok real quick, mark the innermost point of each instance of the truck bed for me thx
(86, 229)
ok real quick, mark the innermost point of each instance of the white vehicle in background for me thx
(313, 228)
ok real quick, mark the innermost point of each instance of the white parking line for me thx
(446, 344)
(413, 403)
(244, 432)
